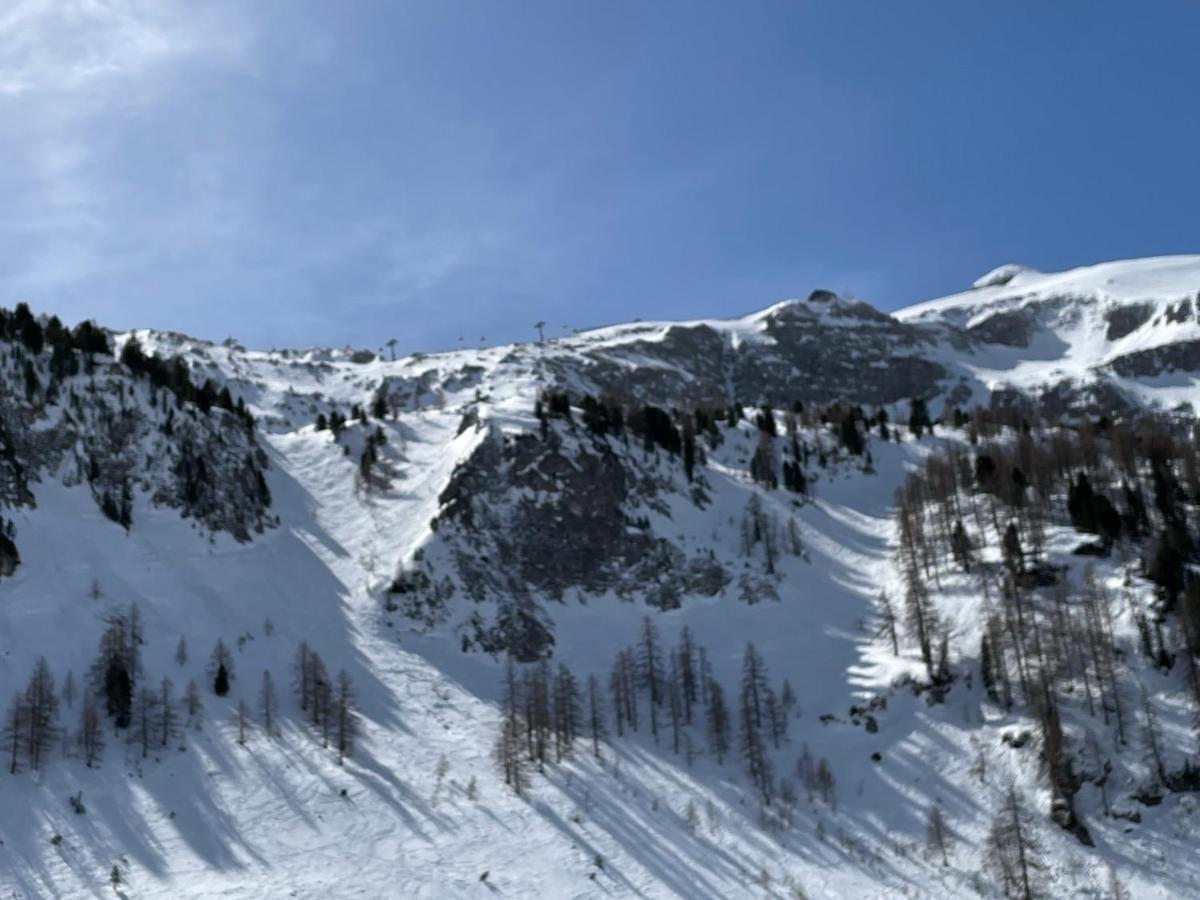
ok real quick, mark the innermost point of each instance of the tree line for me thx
(670, 693)
(1132, 489)
(117, 698)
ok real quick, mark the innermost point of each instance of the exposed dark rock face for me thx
(688, 364)
(1178, 313)
(1182, 356)
(95, 421)
(1124, 320)
(815, 351)
(1069, 399)
(856, 353)
(571, 524)
(1011, 329)
(525, 516)
(14, 483)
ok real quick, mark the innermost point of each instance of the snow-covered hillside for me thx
(462, 512)
(1131, 327)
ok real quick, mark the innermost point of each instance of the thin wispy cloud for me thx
(77, 81)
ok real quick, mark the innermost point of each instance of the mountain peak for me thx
(1001, 275)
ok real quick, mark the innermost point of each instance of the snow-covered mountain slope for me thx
(1130, 328)
(1110, 335)
(412, 546)
(270, 817)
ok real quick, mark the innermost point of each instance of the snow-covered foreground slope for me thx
(271, 817)
(280, 817)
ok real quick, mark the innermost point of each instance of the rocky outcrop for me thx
(1126, 319)
(1183, 356)
(123, 432)
(559, 513)
(526, 518)
(818, 350)
(688, 363)
(846, 351)
(1011, 329)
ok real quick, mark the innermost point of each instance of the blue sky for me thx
(299, 173)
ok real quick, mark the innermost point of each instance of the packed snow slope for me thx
(403, 546)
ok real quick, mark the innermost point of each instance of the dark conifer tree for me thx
(145, 720)
(650, 669)
(192, 704)
(267, 703)
(566, 712)
(717, 721)
(168, 718)
(15, 727)
(1011, 853)
(346, 716)
(220, 667)
(595, 714)
(41, 713)
(91, 733)
(753, 743)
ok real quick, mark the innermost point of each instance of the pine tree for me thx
(14, 731)
(595, 714)
(118, 664)
(675, 705)
(1152, 738)
(1014, 555)
(1012, 854)
(512, 762)
(243, 721)
(937, 835)
(267, 702)
(754, 683)
(511, 701)
(717, 721)
(41, 710)
(192, 703)
(825, 783)
(145, 720)
(304, 680)
(960, 546)
(91, 734)
(887, 622)
(787, 698)
(650, 669)
(68, 690)
(922, 619)
(168, 719)
(323, 707)
(566, 713)
(985, 669)
(181, 652)
(220, 667)
(777, 725)
(918, 418)
(347, 718)
(616, 689)
(686, 656)
(752, 744)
